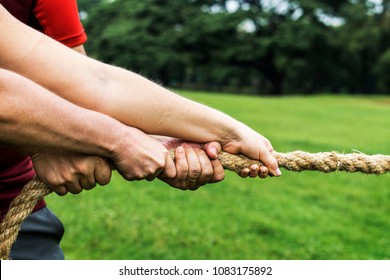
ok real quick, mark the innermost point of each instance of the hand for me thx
(65, 172)
(255, 146)
(196, 164)
(138, 156)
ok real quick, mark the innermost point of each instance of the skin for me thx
(204, 167)
(131, 100)
(75, 172)
(81, 131)
(61, 148)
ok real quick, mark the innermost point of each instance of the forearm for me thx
(32, 117)
(150, 107)
(121, 94)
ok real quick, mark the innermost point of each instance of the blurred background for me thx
(329, 60)
(268, 47)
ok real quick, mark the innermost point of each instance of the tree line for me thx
(266, 47)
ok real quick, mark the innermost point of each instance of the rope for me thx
(297, 161)
(20, 208)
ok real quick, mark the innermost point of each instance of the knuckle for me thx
(182, 170)
(195, 171)
(151, 170)
(82, 169)
(209, 172)
(181, 175)
(136, 173)
(154, 166)
(128, 176)
(52, 179)
(161, 164)
(67, 180)
(138, 176)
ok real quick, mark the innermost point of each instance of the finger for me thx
(270, 161)
(103, 172)
(253, 170)
(74, 187)
(218, 171)
(212, 149)
(169, 171)
(87, 182)
(153, 176)
(206, 168)
(192, 184)
(194, 169)
(244, 172)
(181, 169)
(87, 179)
(263, 172)
(60, 190)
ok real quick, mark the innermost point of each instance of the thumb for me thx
(169, 170)
(212, 149)
(270, 161)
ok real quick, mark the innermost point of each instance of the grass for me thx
(306, 215)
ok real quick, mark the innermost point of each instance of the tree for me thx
(87, 5)
(280, 42)
(302, 46)
(358, 42)
(139, 35)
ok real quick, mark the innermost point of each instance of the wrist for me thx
(232, 138)
(115, 138)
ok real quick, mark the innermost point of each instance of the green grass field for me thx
(306, 215)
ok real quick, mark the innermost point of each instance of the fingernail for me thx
(180, 149)
(278, 172)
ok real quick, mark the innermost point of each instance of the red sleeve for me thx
(60, 21)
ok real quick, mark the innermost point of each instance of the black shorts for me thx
(39, 237)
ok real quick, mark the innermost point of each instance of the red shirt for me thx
(58, 19)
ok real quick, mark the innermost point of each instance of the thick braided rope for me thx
(298, 161)
(332, 161)
(324, 162)
(20, 208)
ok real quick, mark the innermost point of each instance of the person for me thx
(16, 169)
(114, 92)
(44, 16)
